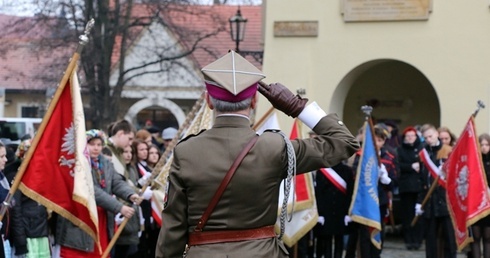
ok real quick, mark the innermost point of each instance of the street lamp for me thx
(237, 28)
(237, 32)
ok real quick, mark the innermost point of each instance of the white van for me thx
(15, 128)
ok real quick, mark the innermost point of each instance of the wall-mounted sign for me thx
(385, 10)
(296, 28)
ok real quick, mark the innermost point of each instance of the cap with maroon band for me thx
(231, 78)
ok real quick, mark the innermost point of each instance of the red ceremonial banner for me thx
(57, 173)
(303, 192)
(467, 202)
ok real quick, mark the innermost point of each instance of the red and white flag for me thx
(56, 171)
(156, 208)
(434, 171)
(335, 179)
(305, 193)
(466, 185)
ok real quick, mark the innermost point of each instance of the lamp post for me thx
(237, 28)
(237, 32)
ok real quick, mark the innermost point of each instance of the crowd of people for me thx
(409, 180)
(121, 160)
(207, 215)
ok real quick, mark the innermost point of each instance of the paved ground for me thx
(394, 247)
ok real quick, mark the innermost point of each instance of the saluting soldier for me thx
(240, 222)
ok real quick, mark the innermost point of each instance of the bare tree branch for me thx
(119, 24)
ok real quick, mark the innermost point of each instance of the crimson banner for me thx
(467, 202)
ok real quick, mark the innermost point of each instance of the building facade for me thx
(163, 92)
(415, 62)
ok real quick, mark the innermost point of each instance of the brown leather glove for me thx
(283, 99)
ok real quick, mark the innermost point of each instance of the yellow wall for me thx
(451, 49)
(15, 101)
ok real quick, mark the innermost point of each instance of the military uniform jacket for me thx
(251, 199)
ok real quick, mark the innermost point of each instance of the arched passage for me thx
(396, 90)
(170, 106)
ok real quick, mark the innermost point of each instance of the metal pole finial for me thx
(479, 105)
(367, 110)
(301, 92)
(84, 38)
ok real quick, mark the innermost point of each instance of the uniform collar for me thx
(231, 121)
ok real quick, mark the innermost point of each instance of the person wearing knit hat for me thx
(73, 241)
(235, 224)
(385, 132)
(22, 148)
(169, 133)
(384, 129)
(96, 134)
(410, 185)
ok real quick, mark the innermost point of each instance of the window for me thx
(30, 111)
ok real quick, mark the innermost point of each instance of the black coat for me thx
(485, 221)
(437, 205)
(486, 166)
(410, 181)
(29, 218)
(333, 204)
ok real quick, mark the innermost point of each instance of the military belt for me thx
(226, 236)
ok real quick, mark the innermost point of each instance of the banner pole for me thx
(161, 162)
(66, 75)
(479, 105)
(426, 199)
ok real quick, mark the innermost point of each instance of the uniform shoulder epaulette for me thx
(191, 135)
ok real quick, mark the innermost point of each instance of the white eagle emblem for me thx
(68, 147)
(462, 183)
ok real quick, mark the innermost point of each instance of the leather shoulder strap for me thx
(224, 183)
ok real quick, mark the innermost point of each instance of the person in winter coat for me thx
(388, 174)
(439, 231)
(149, 236)
(4, 189)
(29, 234)
(73, 241)
(333, 200)
(127, 243)
(410, 185)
